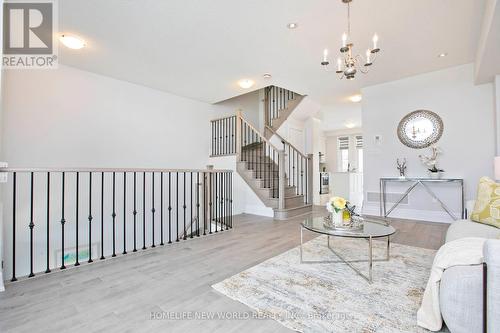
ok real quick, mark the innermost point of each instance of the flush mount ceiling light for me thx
(442, 55)
(292, 25)
(267, 76)
(350, 125)
(348, 64)
(246, 83)
(72, 42)
(356, 98)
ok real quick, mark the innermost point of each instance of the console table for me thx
(414, 182)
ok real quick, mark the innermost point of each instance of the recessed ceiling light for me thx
(72, 42)
(350, 125)
(356, 98)
(292, 25)
(442, 55)
(246, 83)
(267, 76)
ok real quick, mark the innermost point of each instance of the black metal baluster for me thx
(295, 171)
(161, 209)
(169, 208)
(184, 205)
(47, 270)
(198, 204)
(90, 218)
(213, 138)
(77, 263)
(216, 197)
(217, 133)
(231, 200)
(226, 200)
(63, 221)
(144, 210)
(204, 204)
(31, 224)
(102, 216)
(177, 206)
(113, 215)
(135, 212)
(153, 210)
(302, 175)
(191, 216)
(124, 213)
(210, 202)
(233, 134)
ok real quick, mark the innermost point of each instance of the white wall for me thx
(250, 105)
(1, 116)
(69, 117)
(468, 141)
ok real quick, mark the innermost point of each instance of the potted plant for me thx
(431, 163)
(336, 206)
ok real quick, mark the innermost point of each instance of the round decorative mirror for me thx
(420, 129)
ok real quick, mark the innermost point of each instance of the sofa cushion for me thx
(461, 298)
(487, 207)
(466, 228)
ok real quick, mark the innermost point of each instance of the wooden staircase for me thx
(281, 181)
(281, 177)
(279, 105)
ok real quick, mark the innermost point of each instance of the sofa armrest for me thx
(492, 260)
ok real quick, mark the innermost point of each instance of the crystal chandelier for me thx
(348, 65)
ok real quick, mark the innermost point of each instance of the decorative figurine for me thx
(431, 162)
(401, 166)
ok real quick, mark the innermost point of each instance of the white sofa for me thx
(461, 289)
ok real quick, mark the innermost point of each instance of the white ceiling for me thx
(200, 49)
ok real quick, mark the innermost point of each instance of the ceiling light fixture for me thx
(356, 98)
(246, 83)
(442, 55)
(72, 42)
(350, 125)
(292, 25)
(347, 63)
(267, 76)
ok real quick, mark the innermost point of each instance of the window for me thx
(343, 153)
(359, 147)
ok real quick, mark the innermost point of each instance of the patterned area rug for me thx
(331, 297)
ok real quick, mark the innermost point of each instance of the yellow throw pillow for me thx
(487, 208)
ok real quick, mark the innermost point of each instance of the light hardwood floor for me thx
(119, 295)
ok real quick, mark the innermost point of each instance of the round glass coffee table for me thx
(372, 228)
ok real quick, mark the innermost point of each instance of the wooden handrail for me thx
(257, 131)
(109, 170)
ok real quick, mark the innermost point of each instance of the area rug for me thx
(331, 297)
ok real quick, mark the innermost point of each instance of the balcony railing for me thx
(223, 136)
(60, 217)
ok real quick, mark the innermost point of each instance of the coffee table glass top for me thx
(371, 228)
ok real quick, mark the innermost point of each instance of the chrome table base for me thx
(349, 263)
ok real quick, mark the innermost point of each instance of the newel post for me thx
(238, 134)
(281, 179)
(310, 178)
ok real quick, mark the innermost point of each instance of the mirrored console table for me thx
(424, 182)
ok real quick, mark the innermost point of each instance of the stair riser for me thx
(284, 215)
